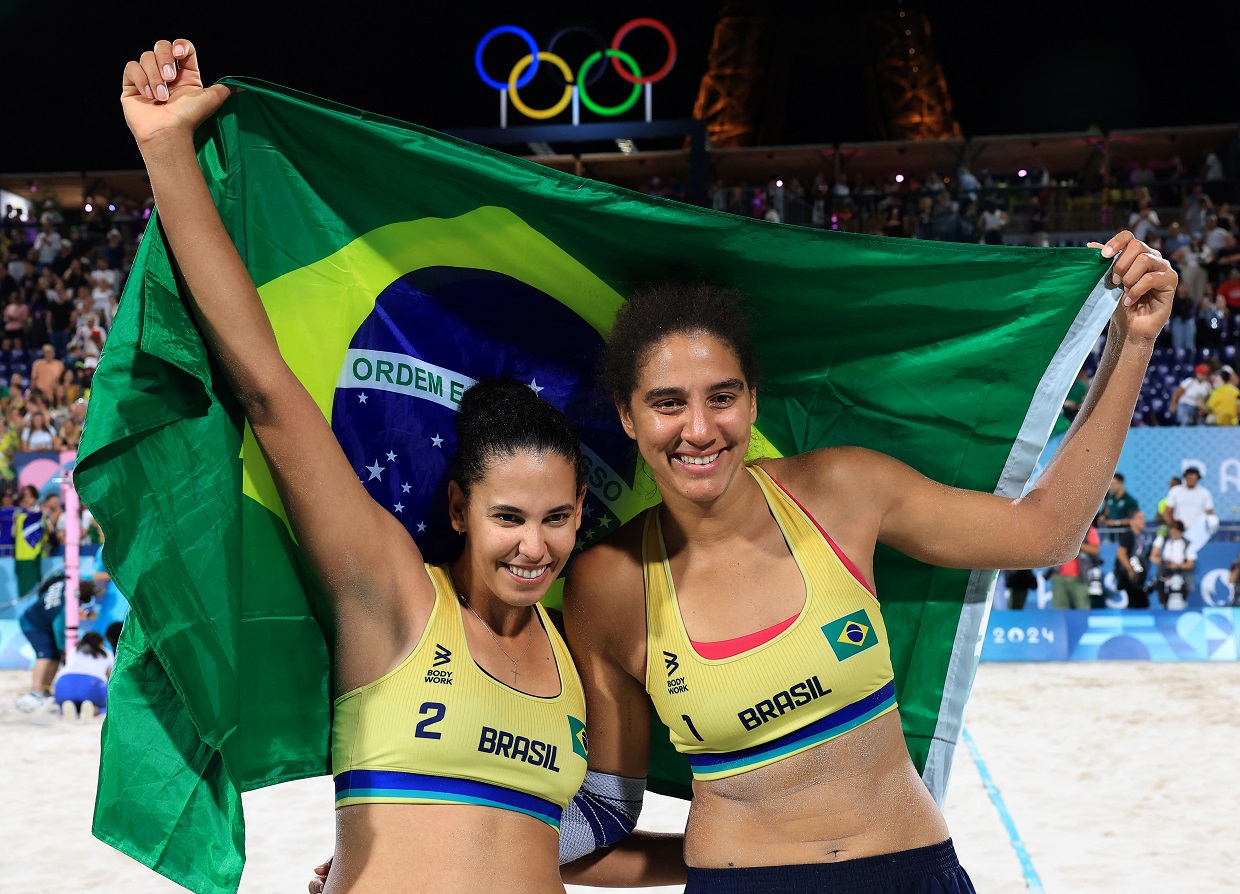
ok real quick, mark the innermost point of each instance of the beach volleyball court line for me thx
(1032, 881)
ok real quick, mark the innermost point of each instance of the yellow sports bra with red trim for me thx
(440, 730)
(828, 673)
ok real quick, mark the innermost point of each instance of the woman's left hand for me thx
(1149, 283)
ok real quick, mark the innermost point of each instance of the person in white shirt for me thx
(1188, 400)
(1189, 502)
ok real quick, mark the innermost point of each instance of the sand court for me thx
(1115, 777)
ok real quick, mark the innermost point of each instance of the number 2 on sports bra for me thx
(437, 712)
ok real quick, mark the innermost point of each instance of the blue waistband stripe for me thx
(847, 718)
(393, 785)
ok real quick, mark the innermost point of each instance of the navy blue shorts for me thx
(43, 643)
(923, 870)
(78, 688)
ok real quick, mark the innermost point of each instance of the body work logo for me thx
(850, 634)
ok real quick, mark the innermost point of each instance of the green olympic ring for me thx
(620, 108)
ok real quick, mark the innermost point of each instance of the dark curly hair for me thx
(658, 311)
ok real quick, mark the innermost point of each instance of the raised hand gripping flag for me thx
(398, 265)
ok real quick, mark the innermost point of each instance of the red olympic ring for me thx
(671, 50)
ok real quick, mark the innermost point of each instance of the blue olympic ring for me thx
(494, 32)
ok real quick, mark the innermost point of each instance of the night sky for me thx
(1010, 70)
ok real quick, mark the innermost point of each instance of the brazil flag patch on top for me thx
(850, 634)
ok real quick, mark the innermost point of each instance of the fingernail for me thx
(169, 72)
(161, 92)
(1107, 251)
(146, 91)
(178, 50)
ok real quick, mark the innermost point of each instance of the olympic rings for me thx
(623, 63)
(622, 107)
(551, 111)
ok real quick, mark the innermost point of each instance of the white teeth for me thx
(528, 573)
(698, 460)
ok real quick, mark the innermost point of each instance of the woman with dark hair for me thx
(453, 689)
(83, 684)
(744, 608)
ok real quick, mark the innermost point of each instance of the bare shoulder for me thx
(604, 593)
(832, 472)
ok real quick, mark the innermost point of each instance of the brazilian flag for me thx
(398, 265)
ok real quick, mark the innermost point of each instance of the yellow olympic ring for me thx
(519, 69)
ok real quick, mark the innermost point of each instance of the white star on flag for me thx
(391, 457)
(587, 511)
(404, 488)
(421, 526)
(399, 507)
(534, 386)
(376, 471)
(604, 522)
(361, 398)
(436, 441)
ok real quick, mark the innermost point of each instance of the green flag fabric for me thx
(398, 265)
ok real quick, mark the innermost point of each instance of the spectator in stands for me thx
(46, 371)
(992, 222)
(1212, 168)
(1188, 401)
(1183, 319)
(114, 251)
(47, 244)
(1193, 263)
(1174, 240)
(1119, 506)
(103, 300)
(1144, 220)
(1229, 290)
(1196, 207)
(967, 185)
(59, 319)
(1132, 561)
(1211, 320)
(1071, 582)
(1176, 559)
(16, 313)
(1221, 405)
(39, 433)
(1220, 241)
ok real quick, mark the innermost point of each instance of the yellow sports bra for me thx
(440, 730)
(828, 673)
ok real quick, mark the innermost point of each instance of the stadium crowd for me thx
(59, 287)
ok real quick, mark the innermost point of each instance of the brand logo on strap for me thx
(673, 665)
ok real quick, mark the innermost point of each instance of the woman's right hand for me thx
(320, 877)
(162, 92)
